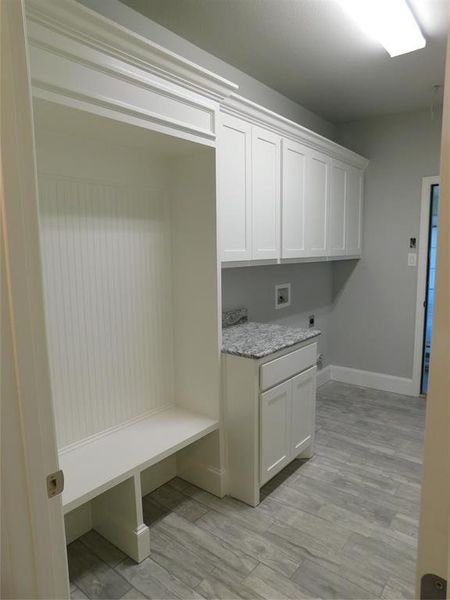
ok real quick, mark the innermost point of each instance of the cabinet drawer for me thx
(287, 366)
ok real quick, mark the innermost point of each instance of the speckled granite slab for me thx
(235, 316)
(256, 340)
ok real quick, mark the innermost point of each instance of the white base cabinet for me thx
(287, 422)
(267, 428)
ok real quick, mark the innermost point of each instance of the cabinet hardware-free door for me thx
(337, 208)
(353, 241)
(303, 408)
(317, 186)
(274, 430)
(265, 194)
(234, 174)
(293, 200)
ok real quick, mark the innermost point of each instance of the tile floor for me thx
(341, 525)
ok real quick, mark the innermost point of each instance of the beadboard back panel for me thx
(108, 285)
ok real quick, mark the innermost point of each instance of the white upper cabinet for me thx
(317, 186)
(234, 190)
(354, 207)
(337, 209)
(265, 194)
(293, 200)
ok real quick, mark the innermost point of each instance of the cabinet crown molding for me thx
(243, 108)
(72, 19)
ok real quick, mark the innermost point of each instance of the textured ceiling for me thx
(310, 51)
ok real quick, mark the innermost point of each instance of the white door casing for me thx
(422, 260)
(23, 278)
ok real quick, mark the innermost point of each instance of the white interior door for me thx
(265, 194)
(293, 201)
(234, 173)
(33, 540)
(318, 184)
(274, 429)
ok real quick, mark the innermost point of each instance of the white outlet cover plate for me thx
(412, 259)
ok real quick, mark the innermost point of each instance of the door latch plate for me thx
(55, 483)
(433, 587)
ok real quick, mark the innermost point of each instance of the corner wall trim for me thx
(378, 381)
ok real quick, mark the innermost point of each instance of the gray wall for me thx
(248, 86)
(311, 293)
(373, 317)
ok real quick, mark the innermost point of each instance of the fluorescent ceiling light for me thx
(391, 22)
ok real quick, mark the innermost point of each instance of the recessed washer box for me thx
(282, 295)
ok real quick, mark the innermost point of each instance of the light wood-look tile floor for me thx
(341, 525)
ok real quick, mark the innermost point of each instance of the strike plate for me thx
(433, 587)
(55, 483)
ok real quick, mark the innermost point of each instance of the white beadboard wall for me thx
(108, 282)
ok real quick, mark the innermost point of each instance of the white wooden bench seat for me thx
(107, 471)
(98, 465)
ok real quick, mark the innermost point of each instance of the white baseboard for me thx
(324, 375)
(377, 381)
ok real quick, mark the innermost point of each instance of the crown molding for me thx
(75, 21)
(243, 108)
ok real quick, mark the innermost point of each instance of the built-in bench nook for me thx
(128, 230)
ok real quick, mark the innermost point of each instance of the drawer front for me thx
(287, 366)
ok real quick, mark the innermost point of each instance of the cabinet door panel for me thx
(317, 186)
(353, 242)
(265, 194)
(234, 175)
(293, 208)
(274, 429)
(303, 407)
(337, 209)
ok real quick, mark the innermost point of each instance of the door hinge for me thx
(55, 483)
(433, 587)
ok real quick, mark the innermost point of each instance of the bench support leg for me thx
(117, 516)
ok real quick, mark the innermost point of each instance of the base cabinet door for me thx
(274, 430)
(302, 412)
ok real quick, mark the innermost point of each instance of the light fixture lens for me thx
(390, 22)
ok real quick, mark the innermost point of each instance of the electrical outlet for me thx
(312, 320)
(282, 295)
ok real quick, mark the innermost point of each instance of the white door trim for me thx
(427, 182)
(31, 398)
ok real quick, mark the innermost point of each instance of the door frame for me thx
(422, 263)
(30, 398)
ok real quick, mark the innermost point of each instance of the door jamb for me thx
(422, 260)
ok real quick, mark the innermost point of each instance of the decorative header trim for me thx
(75, 21)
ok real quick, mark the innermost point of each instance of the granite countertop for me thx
(257, 340)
